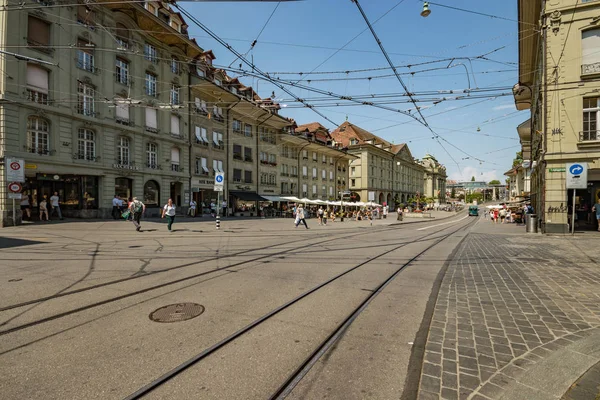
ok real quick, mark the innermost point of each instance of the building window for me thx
(175, 125)
(152, 155)
(237, 152)
(86, 145)
(122, 71)
(304, 171)
(201, 166)
(247, 176)
(331, 175)
(175, 66)
(38, 34)
(175, 160)
(150, 53)
(85, 99)
(314, 173)
(237, 175)
(247, 154)
(37, 84)
(304, 190)
(175, 25)
(85, 55)
(352, 182)
(200, 72)
(150, 85)
(151, 7)
(323, 174)
(151, 194)
(218, 82)
(123, 151)
(591, 107)
(324, 159)
(305, 154)
(218, 140)
(590, 51)
(151, 120)
(200, 106)
(122, 37)
(174, 95)
(314, 156)
(38, 136)
(201, 137)
(85, 16)
(237, 125)
(248, 130)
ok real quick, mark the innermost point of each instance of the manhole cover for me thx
(176, 312)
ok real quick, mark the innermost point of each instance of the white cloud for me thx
(503, 107)
(468, 172)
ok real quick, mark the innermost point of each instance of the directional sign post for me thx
(219, 183)
(576, 179)
(15, 170)
(14, 193)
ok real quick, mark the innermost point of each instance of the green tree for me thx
(518, 159)
(474, 196)
(453, 193)
(494, 182)
(472, 179)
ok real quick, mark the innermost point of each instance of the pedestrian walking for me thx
(44, 209)
(502, 215)
(399, 215)
(385, 211)
(213, 209)
(169, 211)
(137, 208)
(55, 203)
(320, 213)
(325, 215)
(192, 210)
(596, 209)
(300, 216)
(495, 216)
(25, 205)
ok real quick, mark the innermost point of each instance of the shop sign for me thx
(15, 170)
(576, 175)
(30, 166)
(125, 166)
(560, 169)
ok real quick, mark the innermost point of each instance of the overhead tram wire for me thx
(387, 57)
(245, 61)
(259, 33)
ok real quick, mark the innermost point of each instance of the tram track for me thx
(40, 321)
(292, 380)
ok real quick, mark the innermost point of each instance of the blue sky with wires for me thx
(459, 65)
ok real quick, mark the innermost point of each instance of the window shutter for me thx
(122, 110)
(37, 77)
(175, 155)
(590, 46)
(38, 31)
(204, 137)
(198, 135)
(151, 118)
(175, 124)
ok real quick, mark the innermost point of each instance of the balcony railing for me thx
(87, 111)
(41, 150)
(37, 97)
(124, 121)
(153, 166)
(150, 129)
(176, 168)
(589, 136)
(86, 157)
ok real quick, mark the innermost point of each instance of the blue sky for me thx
(301, 35)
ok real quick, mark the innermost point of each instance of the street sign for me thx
(559, 169)
(16, 196)
(218, 188)
(576, 175)
(15, 187)
(15, 170)
(219, 179)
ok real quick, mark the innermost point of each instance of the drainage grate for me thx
(176, 312)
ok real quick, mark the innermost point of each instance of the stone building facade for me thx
(559, 65)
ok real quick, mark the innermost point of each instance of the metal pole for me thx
(573, 216)
(218, 206)
(14, 214)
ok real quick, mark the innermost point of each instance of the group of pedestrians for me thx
(47, 207)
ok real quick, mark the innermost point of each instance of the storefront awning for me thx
(274, 198)
(248, 196)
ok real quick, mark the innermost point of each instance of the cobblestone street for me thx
(517, 317)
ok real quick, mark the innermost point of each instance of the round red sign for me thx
(15, 166)
(15, 187)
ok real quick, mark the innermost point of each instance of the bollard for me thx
(218, 222)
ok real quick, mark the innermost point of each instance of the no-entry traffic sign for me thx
(15, 171)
